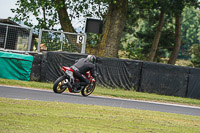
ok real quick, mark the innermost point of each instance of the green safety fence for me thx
(15, 66)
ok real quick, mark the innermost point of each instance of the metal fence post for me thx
(6, 37)
(30, 39)
(39, 41)
(84, 44)
(61, 40)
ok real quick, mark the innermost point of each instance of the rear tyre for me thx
(59, 85)
(88, 89)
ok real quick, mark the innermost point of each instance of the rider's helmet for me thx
(91, 58)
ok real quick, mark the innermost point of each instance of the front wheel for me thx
(59, 85)
(88, 89)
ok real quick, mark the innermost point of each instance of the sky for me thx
(5, 6)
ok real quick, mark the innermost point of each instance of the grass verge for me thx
(102, 91)
(24, 116)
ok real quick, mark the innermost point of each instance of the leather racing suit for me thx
(81, 67)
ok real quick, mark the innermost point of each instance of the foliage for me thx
(93, 40)
(195, 51)
(143, 33)
(42, 10)
(87, 8)
(79, 10)
(141, 26)
(56, 41)
(190, 31)
(132, 48)
(46, 15)
(140, 29)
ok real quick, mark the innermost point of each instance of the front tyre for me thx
(88, 89)
(59, 85)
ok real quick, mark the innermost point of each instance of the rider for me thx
(82, 66)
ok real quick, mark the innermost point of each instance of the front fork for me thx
(68, 85)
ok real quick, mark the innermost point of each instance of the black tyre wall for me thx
(164, 79)
(194, 83)
(119, 73)
(128, 74)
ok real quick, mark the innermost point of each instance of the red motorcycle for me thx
(69, 81)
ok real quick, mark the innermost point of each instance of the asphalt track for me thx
(47, 95)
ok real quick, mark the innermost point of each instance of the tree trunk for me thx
(44, 17)
(177, 43)
(112, 29)
(63, 16)
(156, 38)
(66, 24)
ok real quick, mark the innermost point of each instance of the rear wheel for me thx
(88, 89)
(59, 85)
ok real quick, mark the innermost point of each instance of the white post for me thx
(39, 41)
(84, 44)
(6, 37)
(61, 40)
(30, 39)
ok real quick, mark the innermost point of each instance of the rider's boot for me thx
(76, 86)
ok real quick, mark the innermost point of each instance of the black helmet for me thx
(91, 58)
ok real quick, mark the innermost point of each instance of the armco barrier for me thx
(164, 79)
(36, 67)
(194, 83)
(55, 61)
(119, 73)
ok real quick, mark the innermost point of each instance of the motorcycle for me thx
(68, 80)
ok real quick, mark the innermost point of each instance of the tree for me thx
(195, 55)
(63, 16)
(113, 27)
(178, 7)
(190, 31)
(48, 13)
(177, 42)
(156, 37)
(161, 5)
(144, 16)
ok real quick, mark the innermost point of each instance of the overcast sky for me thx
(5, 6)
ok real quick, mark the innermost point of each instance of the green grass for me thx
(26, 116)
(31, 84)
(102, 91)
(145, 96)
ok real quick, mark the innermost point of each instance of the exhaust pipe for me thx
(68, 85)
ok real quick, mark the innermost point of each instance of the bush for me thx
(195, 55)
